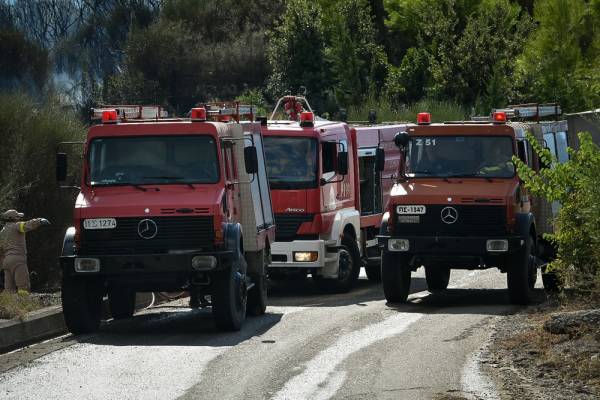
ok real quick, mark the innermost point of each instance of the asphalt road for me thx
(307, 346)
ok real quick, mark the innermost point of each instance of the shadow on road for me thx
(466, 301)
(303, 293)
(171, 326)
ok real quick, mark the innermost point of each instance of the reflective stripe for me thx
(22, 227)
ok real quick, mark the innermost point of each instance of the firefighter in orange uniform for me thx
(14, 250)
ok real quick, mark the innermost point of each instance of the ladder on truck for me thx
(533, 111)
(126, 112)
(225, 111)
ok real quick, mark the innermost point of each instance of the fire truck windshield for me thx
(291, 162)
(460, 156)
(153, 160)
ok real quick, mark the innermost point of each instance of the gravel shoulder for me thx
(529, 358)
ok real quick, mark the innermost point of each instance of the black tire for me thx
(349, 269)
(373, 273)
(437, 278)
(257, 296)
(552, 281)
(82, 304)
(518, 275)
(395, 276)
(121, 302)
(230, 296)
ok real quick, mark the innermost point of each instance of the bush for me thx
(31, 133)
(576, 185)
(440, 111)
(13, 305)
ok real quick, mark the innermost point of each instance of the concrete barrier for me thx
(35, 326)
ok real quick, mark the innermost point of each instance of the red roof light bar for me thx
(423, 118)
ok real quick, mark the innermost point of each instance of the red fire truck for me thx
(318, 172)
(458, 203)
(169, 205)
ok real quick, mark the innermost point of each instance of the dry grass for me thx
(16, 306)
(572, 357)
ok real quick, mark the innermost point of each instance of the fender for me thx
(232, 235)
(68, 247)
(342, 218)
(524, 223)
(383, 228)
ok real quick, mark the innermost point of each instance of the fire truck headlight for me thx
(398, 245)
(203, 263)
(497, 245)
(306, 256)
(87, 265)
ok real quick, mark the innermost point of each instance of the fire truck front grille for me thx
(287, 225)
(172, 234)
(472, 220)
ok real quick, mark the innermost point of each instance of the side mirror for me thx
(380, 159)
(251, 159)
(342, 163)
(61, 167)
(401, 139)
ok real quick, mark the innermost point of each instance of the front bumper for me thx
(139, 264)
(454, 245)
(282, 253)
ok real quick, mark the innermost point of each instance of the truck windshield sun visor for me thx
(291, 162)
(460, 157)
(153, 160)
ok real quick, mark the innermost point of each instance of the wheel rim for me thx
(346, 264)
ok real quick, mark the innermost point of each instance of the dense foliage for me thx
(31, 133)
(477, 53)
(576, 186)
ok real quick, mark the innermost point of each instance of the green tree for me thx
(194, 54)
(484, 55)
(560, 61)
(576, 185)
(358, 63)
(296, 53)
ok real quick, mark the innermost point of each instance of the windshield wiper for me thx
(173, 178)
(135, 185)
(487, 178)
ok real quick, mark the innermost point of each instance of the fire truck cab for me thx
(458, 204)
(169, 205)
(312, 164)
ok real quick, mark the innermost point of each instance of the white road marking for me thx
(320, 380)
(475, 384)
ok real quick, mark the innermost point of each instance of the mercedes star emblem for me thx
(449, 215)
(147, 229)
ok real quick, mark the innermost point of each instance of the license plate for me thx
(100, 223)
(410, 209)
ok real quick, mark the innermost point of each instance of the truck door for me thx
(370, 182)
